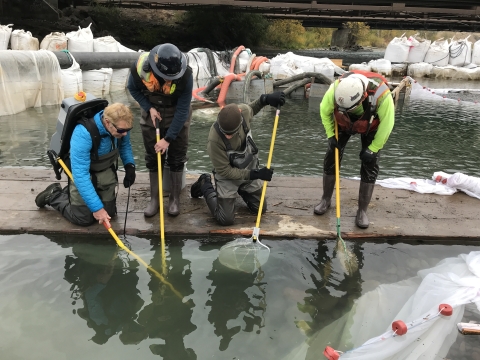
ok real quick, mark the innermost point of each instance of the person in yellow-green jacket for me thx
(361, 103)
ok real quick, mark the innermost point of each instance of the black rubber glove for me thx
(129, 178)
(274, 99)
(332, 143)
(262, 174)
(367, 155)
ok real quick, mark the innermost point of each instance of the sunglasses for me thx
(120, 130)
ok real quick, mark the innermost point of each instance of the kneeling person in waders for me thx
(234, 156)
(361, 103)
(162, 83)
(95, 145)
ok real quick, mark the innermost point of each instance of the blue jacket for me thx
(80, 147)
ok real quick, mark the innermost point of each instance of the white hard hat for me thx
(350, 91)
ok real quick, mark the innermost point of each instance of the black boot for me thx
(328, 186)
(153, 206)
(364, 197)
(44, 197)
(196, 189)
(175, 188)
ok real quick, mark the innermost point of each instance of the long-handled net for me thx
(346, 258)
(249, 254)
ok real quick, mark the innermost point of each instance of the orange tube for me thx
(234, 58)
(225, 84)
(196, 91)
(259, 62)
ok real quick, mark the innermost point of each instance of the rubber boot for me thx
(175, 188)
(43, 198)
(328, 186)
(364, 197)
(153, 206)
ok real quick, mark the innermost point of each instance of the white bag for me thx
(397, 50)
(381, 66)
(418, 50)
(421, 69)
(460, 52)
(325, 69)
(97, 82)
(476, 53)
(55, 41)
(23, 40)
(5, 33)
(399, 69)
(72, 79)
(105, 44)
(80, 40)
(438, 53)
(363, 66)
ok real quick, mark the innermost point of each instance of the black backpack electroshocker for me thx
(76, 113)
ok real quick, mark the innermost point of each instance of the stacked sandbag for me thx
(418, 49)
(460, 52)
(23, 40)
(363, 66)
(5, 33)
(421, 69)
(398, 49)
(105, 44)
(381, 66)
(399, 69)
(72, 79)
(55, 41)
(476, 53)
(120, 76)
(80, 40)
(97, 82)
(438, 53)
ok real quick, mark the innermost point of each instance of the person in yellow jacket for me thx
(361, 103)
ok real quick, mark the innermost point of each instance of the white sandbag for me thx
(418, 50)
(476, 53)
(23, 40)
(80, 40)
(399, 69)
(222, 67)
(438, 53)
(105, 44)
(122, 48)
(363, 66)
(444, 72)
(119, 79)
(72, 79)
(381, 66)
(325, 69)
(97, 82)
(265, 67)
(29, 79)
(460, 52)
(397, 50)
(55, 41)
(5, 33)
(464, 73)
(283, 71)
(243, 58)
(421, 69)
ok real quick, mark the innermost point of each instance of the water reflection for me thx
(105, 281)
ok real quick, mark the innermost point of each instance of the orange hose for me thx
(234, 58)
(225, 84)
(196, 91)
(259, 61)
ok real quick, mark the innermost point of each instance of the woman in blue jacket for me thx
(95, 146)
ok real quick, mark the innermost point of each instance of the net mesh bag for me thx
(244, 255)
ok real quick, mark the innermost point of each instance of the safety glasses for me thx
(120, 130)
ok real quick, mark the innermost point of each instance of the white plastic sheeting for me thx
(23, 40)
(97, 82)
(365, 332)
(397, 50)
(72, 79)
(460, 52)
(470, 185)
(55, 41)
(29, 79)
(80, 40)
(418, 50)
(438, 53)
(5, 33)
(289, 64)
